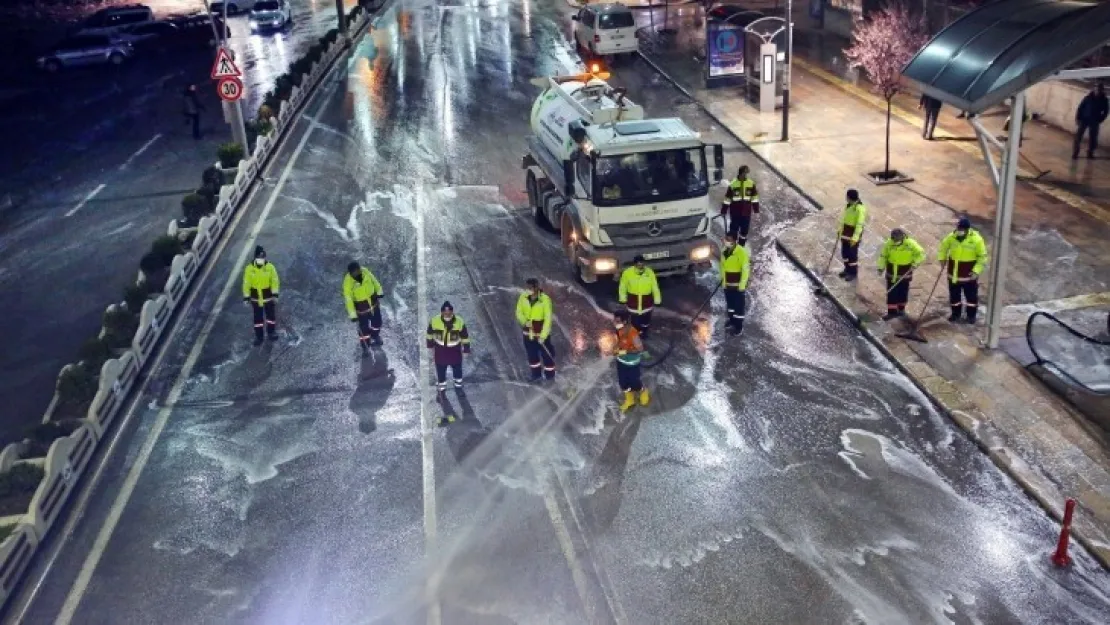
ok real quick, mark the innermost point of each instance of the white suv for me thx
(270, 15)
(604, 29)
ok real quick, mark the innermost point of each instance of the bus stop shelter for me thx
(994, 54)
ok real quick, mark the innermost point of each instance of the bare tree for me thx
(882, 45)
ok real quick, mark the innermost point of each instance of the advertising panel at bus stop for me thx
(725, 49)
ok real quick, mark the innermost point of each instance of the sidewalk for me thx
(1059, 252)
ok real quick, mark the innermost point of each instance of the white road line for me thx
(140, 151)
(81, 204)
(77, 591)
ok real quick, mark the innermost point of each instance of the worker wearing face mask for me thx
(629, 351)
(897, 260)
(260, 291)
(362, 294)
(449, 339)
(534, 314)
(639, 291)
(735, 270)
(963, 254)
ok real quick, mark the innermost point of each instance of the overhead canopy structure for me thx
(1005, 47)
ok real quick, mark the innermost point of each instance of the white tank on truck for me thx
(617, 185)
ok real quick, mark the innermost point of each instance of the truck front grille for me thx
(654, 232)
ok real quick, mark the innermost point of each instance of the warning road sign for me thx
(225, 67)
(229, 89)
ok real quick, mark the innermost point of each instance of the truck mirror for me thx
(718, 156)
(568, 178)
(717, 175)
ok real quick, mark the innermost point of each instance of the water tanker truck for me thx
(614, 184)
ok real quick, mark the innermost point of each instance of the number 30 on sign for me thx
(229, 89)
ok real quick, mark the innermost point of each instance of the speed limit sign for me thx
(229, 89)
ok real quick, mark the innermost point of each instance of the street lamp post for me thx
(342, 19)
(789, 70)
(233, 111)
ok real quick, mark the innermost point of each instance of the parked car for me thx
(147, 31)
(270, 15)
(605, 29)
(114, 20)
(234, 7)
(82, 50)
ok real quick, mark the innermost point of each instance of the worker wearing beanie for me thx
(362, 293)
(260, 291)
(852, 221)
(448, 337)
(897, 260)
(963, 255)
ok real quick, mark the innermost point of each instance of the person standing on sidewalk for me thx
(448, 337)
(851, 229)
(736, 266)
(260, 290)
(741, 200)
(1089, 116)
(963, 254)
(897, 260)
(534, 314)
(639, 292)
(932, 108)
(192, 109)
(362, 293)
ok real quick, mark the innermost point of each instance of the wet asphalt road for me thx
(790, 476)
(94, 166)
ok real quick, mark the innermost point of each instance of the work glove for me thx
(466, 349)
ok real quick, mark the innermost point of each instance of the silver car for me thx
(82, 50)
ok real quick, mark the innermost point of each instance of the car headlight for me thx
(700, 253)
(605, 265)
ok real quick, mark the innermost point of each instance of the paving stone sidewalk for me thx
(1059, 253)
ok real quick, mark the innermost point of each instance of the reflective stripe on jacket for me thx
(261, 284)
(450, 339)
(639, 291)
(852, 221)
(898, 258)
(534, 316)
(361, 296)
(742, 197)
(629, 345)
(963, 257)
(735, 268)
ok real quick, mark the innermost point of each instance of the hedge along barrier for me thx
(65, 462)
(15, 557)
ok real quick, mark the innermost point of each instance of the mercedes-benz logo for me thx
(654, 229)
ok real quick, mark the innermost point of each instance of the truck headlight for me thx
(605, 265)
(700, 253)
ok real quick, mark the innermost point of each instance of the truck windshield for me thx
(650, 177)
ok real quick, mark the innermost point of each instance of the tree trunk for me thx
(886, 168)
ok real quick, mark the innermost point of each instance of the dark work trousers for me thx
(369, 322)
(736, 302)
(441, 376)
(194, 118)
(897, 296)
(849, 253)
(1091, 131)
(739, 225)
(964, 291)
(642, 322)
(628, 376)
(541, 355)
(931, 115)
(265, 316)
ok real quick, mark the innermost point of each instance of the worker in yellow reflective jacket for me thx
(964, 255)
(639, 291)
(362, 293)
(449, 339)
(735, 270)
(852, 221)
(741, 200)
(260, 290)
(897, 260)
(534, 314)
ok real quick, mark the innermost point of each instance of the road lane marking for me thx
(140, 151)
(80, 585)
(81, 204)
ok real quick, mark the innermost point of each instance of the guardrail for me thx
(1041, 360)
(69, 456)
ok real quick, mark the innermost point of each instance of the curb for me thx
(766, 163)
(1100, 555)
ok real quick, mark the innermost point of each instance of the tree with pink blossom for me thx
(882, 45)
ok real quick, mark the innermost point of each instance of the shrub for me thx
(230, 154)
(76, 386)
(134, 296)
(21, 478)
(315, 53)
(120, 325)
(265, 112)
(43, 435)
(212, 177)
(166, 247)
(300, 66)
(331, 36)
(151, 264)
(283, 86)
(193, 207)
(93, 353)
(272, 102)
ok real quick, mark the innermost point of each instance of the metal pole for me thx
(1004, 218)
(788, 65)
(233, 111)
(342, 19)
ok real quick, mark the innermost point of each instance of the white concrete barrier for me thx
(208, 232)
(185, 264)
(9, 456)
(15, 556)
(295, 93)
(172, 229)
(117, 376)
(251, 167)
(65, 462)
(224, 209)
(151, 322)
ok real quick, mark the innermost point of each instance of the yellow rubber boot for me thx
(629, 401)
(645, 397)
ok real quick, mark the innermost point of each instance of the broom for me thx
(914, 334)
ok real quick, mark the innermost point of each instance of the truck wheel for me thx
(571, 249)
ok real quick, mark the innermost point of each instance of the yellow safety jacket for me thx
(898, 258)
(852, 221)
(965, 257)
(639, 291)
(261, 284)
(360, 297)
(735, 268)
(534, 316)
(742, 190)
